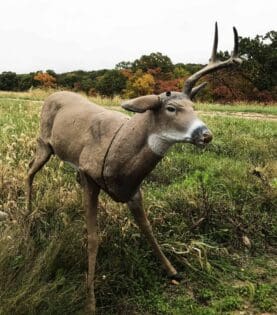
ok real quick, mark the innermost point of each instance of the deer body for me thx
(109, 146)
(115, 152)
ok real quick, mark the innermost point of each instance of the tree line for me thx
(254, 80)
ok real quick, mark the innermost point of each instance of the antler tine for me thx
(235, 52)
(214, 51)
(190, 82)
(196, 89)
(213, 65)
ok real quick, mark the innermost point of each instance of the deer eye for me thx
(171, 109)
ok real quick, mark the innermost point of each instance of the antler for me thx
(213, 65)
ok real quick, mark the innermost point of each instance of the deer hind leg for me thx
(43, 153)
(136, 207)
(91, 192)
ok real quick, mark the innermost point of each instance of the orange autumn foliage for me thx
(45, 80)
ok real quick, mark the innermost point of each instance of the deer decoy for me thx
(115, 152)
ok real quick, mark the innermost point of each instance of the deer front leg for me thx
(136, 207)
(43, 154)
(91, 192)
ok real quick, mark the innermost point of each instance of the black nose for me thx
(207, 136)
(202, 134)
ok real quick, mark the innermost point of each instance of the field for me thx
(213, 211)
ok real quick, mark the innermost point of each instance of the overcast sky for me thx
(66, 35)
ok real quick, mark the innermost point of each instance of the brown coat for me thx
(107, 145)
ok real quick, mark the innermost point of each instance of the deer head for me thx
(175, 119)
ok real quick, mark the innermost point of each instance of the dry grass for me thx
(202, 205)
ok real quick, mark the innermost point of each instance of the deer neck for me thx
(146, 137)
(138, 139)
(158, 144)
(134, 153)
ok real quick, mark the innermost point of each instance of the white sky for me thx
(66, 35)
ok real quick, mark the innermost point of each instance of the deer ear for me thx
(142, 103)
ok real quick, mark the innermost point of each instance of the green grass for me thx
(35, 95)
(40, 95)
(203, 206)
(241, 107)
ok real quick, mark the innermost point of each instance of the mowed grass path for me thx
(40, 95)
(213, 211)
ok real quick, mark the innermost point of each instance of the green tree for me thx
(124, 65)
(52, 73)
(86, 84)
(260, 55)
(111, 83)
(193, 67)
(8, 81)
(153, 61)
(68, 80)
(180, 72)
(25, 81)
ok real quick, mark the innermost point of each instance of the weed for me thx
(203, 206)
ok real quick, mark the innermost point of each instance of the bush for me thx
(111, 83)
(8, 81)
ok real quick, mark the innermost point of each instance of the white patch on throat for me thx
(158, 144)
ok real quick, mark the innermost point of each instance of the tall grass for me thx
(203, 206)
(40, 95)
(34, 94)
